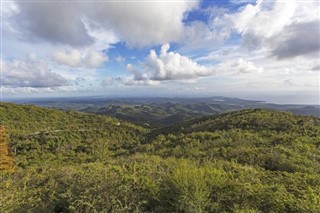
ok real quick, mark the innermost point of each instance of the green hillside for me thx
(169, 113)
(154, 114)
(41, 134)
(249, 119)
(243, 161)
(277, 141)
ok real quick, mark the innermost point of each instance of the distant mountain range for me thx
(166, 111)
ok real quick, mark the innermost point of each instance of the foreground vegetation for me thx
(244, 161)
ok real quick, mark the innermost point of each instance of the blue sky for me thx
(266, 50)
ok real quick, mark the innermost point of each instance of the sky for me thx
(261, 50)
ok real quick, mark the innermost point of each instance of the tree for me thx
(6, 161)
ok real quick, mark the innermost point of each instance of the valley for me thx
(157, 112)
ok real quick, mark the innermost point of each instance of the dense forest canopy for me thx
(251, 160)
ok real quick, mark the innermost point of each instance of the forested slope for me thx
(160, 114)
(273, 140)
(168, 113)
(254, 119)
(244, 161)
(40, 134)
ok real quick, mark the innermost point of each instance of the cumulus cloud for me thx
(95, 59)
(141, 24)
(145, 23)
(299, 39)
(136, 23)
(199, 35)
(74, 58)
(137, 78)
(243, 66)
(253, 22)
(264, 19)
(167, 66)
(258, 23)
(238, 66)
(41, 21)
(30, 74)
(282, 27)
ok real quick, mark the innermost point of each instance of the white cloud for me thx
(30, 74)
(8, 10)
(168, 66)
(264, 19)
(133, 82)
(95, 59)
(243, 66)
(137, 78)
(136, 23)
(285, 28)
(24, 90)
(238, 66)
(41, 22)
(255, 22)
(223, 54)
(103, 38)
(144, 23)
(298, 39)
(74, 58)
(199, 35)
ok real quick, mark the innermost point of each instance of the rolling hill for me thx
(248, 119)
(270, 139)
(251, 160)
(157, 112)
(48, 134)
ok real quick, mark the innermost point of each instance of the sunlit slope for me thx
(37, 134)
(276, 141)
(169, 113)
(245, 161)
(249, 119)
